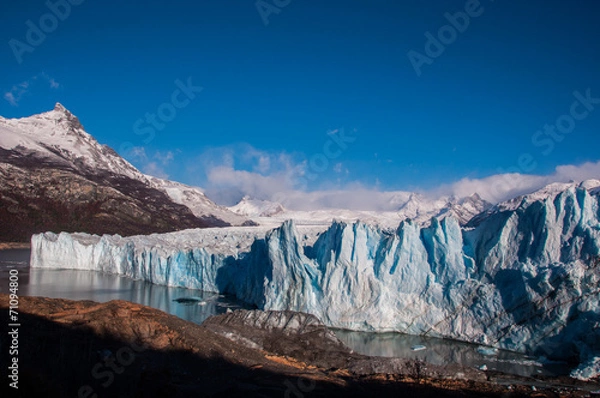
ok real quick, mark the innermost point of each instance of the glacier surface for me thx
(522, 276)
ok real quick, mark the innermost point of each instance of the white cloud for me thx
(352, 197)
(10, 97)
(18, 91)
(231, 172)
(164, 158)
(501, 187)
(227, 185)
(235, 171)
(138, 153)
(264, 164)
(155, 165)
(495, 188)
(585, 171)
(155, 170)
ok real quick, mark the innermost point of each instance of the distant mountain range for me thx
(416, 207)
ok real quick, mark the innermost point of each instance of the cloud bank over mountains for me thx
(227, 174)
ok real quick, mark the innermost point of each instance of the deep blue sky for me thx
(317, 66)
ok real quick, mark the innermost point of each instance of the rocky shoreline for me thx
(14, 245)
(82, 348)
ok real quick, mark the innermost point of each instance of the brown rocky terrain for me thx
(83, 348)
(14, 245)
(38, 199)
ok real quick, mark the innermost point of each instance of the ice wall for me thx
(523, 278)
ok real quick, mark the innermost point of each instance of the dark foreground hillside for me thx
(69, 348)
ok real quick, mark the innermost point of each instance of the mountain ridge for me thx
(416, 207)
(57, 177)
(54, 148)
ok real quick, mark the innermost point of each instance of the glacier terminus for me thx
(523, 275)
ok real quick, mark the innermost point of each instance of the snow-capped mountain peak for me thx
(37, 150)
(57, 137)
(464, 209)
(58, 107)
(402, 206)
(257, 208)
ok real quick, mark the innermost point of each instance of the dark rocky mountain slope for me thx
(56, 177)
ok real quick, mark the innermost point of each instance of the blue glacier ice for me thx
(522, 276)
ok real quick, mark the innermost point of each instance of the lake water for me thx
(101, 287)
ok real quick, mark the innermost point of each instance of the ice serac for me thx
(522, 276)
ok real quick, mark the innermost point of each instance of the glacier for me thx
(522, 276)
